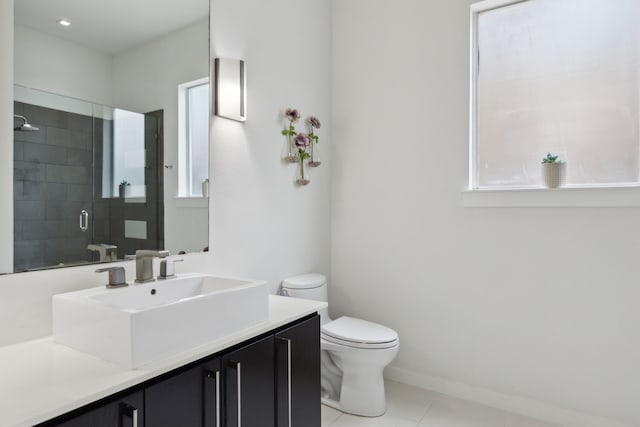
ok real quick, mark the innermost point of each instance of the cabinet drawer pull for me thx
(130, 412)
(216, 376)
(238, 367)
(288, 343)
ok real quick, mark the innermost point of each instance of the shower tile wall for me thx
(55, 171)
(52, 184)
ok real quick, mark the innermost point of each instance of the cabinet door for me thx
(124, 412)
(249, 385)
(298, 375)
(186, 398)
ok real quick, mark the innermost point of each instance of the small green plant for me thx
(551, 159)
(125, 183)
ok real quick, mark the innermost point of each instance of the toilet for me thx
(354, 353)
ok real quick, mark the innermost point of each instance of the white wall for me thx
(529, 309)
(146, 78)
(261, 222)
(55, 65)
(262, 225)
(6, 134)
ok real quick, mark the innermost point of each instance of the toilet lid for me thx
(359, 333)
(304, 281)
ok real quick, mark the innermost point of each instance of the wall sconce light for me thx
(231, 89)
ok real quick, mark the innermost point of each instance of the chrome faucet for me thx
(144, 264)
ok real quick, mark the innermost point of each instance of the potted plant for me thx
(123, 187)
(553, 171)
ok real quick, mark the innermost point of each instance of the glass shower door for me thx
(53, 181)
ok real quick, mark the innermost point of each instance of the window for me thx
(559, 76)
(193, 150)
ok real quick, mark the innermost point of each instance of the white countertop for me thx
(40, 379)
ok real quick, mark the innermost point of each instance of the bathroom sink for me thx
(142, 323)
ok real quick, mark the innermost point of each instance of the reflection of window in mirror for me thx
(193, 139)
(128, 153)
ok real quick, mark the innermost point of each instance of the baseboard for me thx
(518, 405)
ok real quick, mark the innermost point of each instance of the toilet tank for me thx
(308, 286)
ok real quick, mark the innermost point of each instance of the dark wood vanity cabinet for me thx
(269, 381)
(298, 375)
(249, 385)
(124, 411)
(189, 398)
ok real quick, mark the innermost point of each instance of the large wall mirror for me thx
(111, 130)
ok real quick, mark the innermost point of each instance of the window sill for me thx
(566, 197)
(135, 199)
(192, 202)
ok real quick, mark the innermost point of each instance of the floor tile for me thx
(407, 401)
(329, 416)
(409, 406)
(450, 412)
(387, 420)
(522, 421)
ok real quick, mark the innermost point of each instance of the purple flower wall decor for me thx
(301, 141)
(293, 116)
(314, 123)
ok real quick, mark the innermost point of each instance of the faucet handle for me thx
(141, 253)
(168, 268)
(117, 278)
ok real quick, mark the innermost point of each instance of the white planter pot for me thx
(554, 174)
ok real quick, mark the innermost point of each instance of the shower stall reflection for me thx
(68, 209)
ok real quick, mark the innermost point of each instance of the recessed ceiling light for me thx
(64, 22)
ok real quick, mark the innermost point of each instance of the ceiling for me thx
(110, 26)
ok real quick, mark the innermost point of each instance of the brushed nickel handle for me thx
(239, 395)
(238, 367)
(117, 277)
(131, 412)
(288, 342)
(216, 376)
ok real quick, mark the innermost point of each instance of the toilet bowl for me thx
(354, 353)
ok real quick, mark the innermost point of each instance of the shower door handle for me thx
(84, 220)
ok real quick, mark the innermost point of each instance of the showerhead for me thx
(25, 126)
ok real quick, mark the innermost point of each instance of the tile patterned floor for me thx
(409, 406)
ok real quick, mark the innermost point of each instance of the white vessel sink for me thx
(138, 324)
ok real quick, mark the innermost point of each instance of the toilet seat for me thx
(358, 333)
